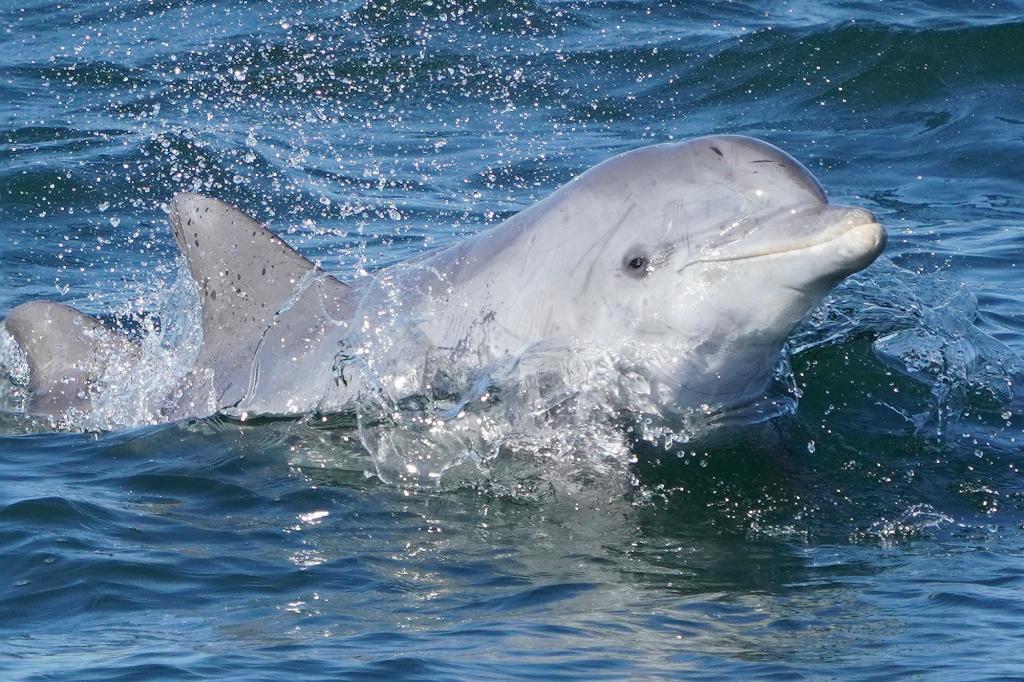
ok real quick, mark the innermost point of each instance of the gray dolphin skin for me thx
(686, 265)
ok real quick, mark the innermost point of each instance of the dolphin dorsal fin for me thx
(247, 279)
(67, 351)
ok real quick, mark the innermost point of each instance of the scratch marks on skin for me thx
(309, 281)
(674, 215)
(341, 359)
(671, 215)
(600, 244)
(528, 257)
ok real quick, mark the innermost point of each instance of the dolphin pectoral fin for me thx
(248, 281)
(67, 352)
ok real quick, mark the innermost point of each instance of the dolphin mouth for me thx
(848, 239)
(870, 237)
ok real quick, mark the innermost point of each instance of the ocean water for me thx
(878, 531)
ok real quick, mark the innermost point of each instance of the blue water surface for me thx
(875, 533)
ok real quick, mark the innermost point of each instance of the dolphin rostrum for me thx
(686, 264)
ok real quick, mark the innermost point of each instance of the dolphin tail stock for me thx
(67, 350)
(258, 296)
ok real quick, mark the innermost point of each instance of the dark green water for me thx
(875, 533)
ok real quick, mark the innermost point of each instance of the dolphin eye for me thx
(637, 265)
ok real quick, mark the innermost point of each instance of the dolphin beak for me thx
(843, 239)
(860, 240)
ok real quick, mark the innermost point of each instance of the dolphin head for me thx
(696, 260)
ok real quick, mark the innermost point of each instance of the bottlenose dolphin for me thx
(688, 263)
